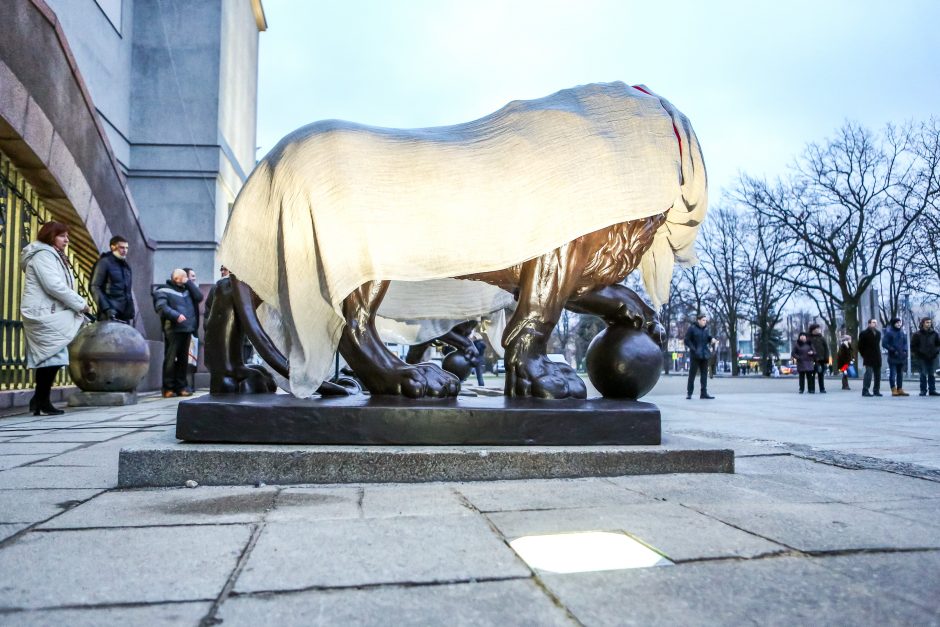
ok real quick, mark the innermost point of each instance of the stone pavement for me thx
(832, 517)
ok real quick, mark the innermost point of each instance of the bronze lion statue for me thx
(548, 203)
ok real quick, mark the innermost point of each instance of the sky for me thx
(758, 79)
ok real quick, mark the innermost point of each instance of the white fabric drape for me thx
(336, 204)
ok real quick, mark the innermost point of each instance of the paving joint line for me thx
(210, 617)
(377, 586)
(99, 606)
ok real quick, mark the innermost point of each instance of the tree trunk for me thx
(733, 348)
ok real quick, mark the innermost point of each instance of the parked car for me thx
(499, 367)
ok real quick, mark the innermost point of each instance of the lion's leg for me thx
(545, 284)
(379, 370)
(618, 304)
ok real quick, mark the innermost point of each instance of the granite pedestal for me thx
(392, 420)
(102, 399)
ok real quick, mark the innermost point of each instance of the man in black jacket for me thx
(177, 303)
(821, 348)
(869, 347)
(111, 283)
(925, 346)
(699, 342)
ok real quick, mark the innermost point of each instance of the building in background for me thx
(130, 117)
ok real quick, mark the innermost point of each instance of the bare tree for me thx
(926, 250)
(723, 263)
(906, 276)
(848, 202)
(767, 283)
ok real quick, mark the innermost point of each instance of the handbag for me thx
(193, 351)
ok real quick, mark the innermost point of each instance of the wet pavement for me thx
(832, 517)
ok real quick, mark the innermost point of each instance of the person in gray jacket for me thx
(177, 303)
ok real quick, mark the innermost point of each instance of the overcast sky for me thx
(757, 79)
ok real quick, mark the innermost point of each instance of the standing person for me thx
(111, 283)
(805, 358)
(869, 347)
(844, 359)
(193, 352)
(895, 342)
(479, 361)
(699, 342)
(821, 348)
(177, 303)
(925, 346)
(51, 310)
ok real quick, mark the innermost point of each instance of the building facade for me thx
(130, 117)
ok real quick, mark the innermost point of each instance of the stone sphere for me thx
(108, 356)
(457, 364)
(623, 362)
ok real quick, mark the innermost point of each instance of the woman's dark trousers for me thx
(808, 379)
(44, 380)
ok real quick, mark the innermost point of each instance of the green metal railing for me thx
(22, 213)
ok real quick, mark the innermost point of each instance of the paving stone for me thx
(713, 488)
(168, 614)
(840, 484)
(57, 477)
(89, 567)
(922, 510)
(677, 532)
(180, 506)
(415, 549)
(552, 494)
(430, 499)
(826, 526)
(911, 576)
(778, 591)
(31, 506)
(317, 503)
(514, 602)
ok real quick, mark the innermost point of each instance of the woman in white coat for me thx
(51, 310)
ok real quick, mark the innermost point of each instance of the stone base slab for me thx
(391, 420)
(167, 462)
(102, 399)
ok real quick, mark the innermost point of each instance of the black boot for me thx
(48, 409)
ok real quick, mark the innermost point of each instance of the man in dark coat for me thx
(925, 346)
(821, 348)
(894, 341)
(111, 283)
(177, 303)
(699, 342)
(869, 347)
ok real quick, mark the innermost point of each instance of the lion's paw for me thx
(539, 377)
(417, 381)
